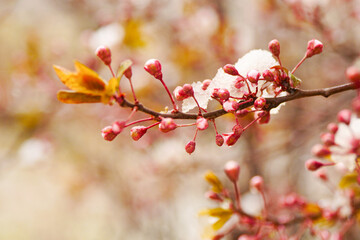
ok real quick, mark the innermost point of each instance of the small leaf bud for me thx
(328, 139)
(108, 134)
(219, 139)
(153, 66)
(319, 150)
(232, 170)
(205, 84)
(223, 94)
(268, 75)
(190, 147)
(202, 123)
(259, 103)
(344, 116)
(137, 132)
(257, 182)
(230, 69)
(253, 76)
(167, 125)
(353, 74)
(274, 47)
(313, 165)
(332, 127)
(314, 47)
(104, 54)
(118, 127)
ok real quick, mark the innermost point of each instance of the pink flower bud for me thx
(344, 116)
(190, 147)
(257, 183)
(313, 165)
(314, 47)
(104, 54)
(128, 73)
(241, 113)
(239, 82)
(167, 125)
(259, 103)
(253, 76)
(223, 94)
(117, 127)
(268, 75)
(274, 47)
(219, 140)
(332, 127)
(188, 90)
(353, 74)
(137, 132)
(230, 105)
(247, 237)
(180, 94)
(230, 69)
(232, 139)
(213, 196)
(232, 170)
(202, 123)
(205, 84)
(108, 134)
(264, 117)
(320, 151)
(328, 139)
(153, 66)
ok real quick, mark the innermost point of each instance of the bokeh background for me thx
(60, 180)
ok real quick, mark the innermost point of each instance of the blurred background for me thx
(60, 180)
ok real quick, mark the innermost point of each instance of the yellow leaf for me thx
(84, 80)
(216, 212)
(76, 97)
(219, 223)
(214, 181)
(348, 180)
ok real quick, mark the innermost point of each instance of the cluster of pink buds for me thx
(250, 97)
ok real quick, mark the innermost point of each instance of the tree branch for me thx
(271, 102)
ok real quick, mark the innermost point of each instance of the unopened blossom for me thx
(232, 170)
(108, 134)
(314, 47)
(230, 105)
(219, 139)
(167, 125)
(104, 54)
(268, 75)
(205, 84)
(259, 103)
(257, 182)
(253, 76)
(313, 165)
(230, 69)
(274, 47)
(153, 66)
(344, 116)
(353, 74)
(118, 126)
(202, 123)
(190, 147)
(137, 132)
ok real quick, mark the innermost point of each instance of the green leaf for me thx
(295, 80)
(120, 72)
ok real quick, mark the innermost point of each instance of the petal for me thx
(76, 97)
